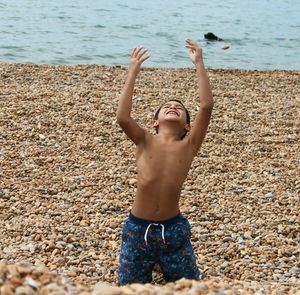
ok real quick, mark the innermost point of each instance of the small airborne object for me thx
(225, 46)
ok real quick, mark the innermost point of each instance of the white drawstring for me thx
(162, 232)
(146, 233)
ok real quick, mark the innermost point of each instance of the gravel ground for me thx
(68, 177)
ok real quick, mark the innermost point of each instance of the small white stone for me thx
(269, 195)
(224, 264)
(32, 283)
(42, 136)
(225, 46)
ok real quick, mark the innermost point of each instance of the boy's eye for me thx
(177, 107)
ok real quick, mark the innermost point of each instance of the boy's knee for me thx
(130, 276)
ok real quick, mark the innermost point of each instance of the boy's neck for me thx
(169, 134)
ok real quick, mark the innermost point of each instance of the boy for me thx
(155, 231)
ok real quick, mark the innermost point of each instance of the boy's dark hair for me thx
(188, 118)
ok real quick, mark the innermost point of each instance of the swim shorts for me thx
(166, 243)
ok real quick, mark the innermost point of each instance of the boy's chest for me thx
(172, 155)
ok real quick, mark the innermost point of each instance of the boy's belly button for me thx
(156, 208)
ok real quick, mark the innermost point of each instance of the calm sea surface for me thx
(262, 34)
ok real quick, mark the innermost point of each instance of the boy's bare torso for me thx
(162, 168)
(163, 160)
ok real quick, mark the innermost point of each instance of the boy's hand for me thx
(195, 51)
(137, 57)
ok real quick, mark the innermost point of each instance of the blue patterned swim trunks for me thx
(166, 243)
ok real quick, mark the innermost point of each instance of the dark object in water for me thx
(212, 37)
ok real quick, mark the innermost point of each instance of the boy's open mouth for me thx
(172, 113)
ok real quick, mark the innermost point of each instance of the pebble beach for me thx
(68, 179)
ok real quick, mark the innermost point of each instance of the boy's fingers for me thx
(139, 53)
(142, 52)
(139, 49)
(191, 47)
(145, 58)
(136, 50)
(191, 42)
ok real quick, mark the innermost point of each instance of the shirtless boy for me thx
(155, 232)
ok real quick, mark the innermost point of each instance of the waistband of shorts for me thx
(146, 222)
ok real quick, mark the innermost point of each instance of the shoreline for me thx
(67, 177)
(145, 67)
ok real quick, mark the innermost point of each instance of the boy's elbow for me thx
(121, 120)
(208, 106)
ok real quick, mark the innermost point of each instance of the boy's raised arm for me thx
(124, 119)
(202, 119)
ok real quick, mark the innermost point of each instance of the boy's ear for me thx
(155, 123)
(187, 127)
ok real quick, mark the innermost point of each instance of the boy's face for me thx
(173, 111)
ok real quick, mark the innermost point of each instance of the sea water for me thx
(262, 34)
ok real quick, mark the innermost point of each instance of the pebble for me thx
(269, 195)
(22, 290)
(106, 289)
(224, 264)
(70, 177)
(6, 290)
(225, 46)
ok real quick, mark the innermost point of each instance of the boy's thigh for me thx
(136, 260)
(180, 264)
(178, 259)
(134, 271)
